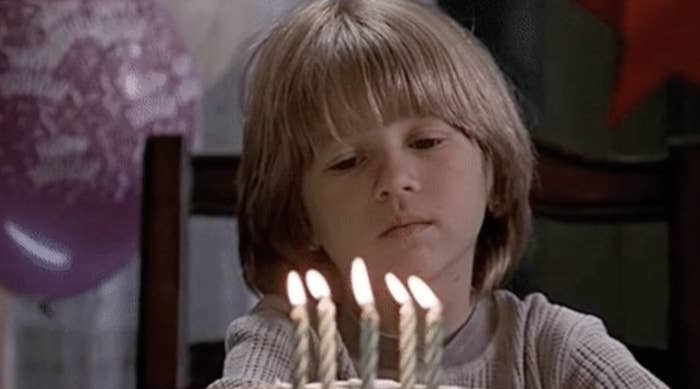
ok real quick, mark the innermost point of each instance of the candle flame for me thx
(295, 289)
(360, 282)
(317, 284)
(398, 291)
(422, 293)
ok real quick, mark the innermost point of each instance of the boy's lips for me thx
(404, 228)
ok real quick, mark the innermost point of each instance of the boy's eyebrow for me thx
(336, 147)
(429, 122)
(329, 145)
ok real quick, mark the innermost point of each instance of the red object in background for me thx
(660, 40)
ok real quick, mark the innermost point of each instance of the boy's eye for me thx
(426, 143)
(345, 164)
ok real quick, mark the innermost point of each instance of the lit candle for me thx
(433, 333)
(297, 297)
(407, 331)
(369, 323)
(326, 326)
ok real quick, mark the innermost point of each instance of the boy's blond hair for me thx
(336, 66)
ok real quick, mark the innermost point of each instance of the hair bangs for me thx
(357, 79)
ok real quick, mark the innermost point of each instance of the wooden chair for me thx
(175, 186)
(576, 188)
(570, 187)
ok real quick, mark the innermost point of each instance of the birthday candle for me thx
(434, 332)
(297, 297)
(369, 323)
(327, 326)
(407, 331)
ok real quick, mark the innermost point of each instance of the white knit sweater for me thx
(533, 344)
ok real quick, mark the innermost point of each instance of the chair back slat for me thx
(160, 328)
(684, 263)
(577, 188)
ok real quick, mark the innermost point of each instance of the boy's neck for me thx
(453, 288)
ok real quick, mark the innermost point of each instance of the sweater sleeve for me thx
(593, 359)
(258, 351)
(260, 346)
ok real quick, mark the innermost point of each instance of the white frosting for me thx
(356, 383)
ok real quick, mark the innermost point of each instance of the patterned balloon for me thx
(82, 84)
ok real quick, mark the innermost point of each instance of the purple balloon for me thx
(82, 84)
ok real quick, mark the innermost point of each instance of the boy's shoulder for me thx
(566, 346)
(535, 310)
(542, 325)
(267, 318)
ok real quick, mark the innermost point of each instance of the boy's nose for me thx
(395, 178)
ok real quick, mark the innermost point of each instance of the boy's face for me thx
(409, 198)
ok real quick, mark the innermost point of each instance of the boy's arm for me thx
(259, 349)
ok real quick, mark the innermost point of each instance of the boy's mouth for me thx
(405, 228)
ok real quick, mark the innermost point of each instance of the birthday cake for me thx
(350, 384)
(356, 383)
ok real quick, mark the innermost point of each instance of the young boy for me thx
(381, 129)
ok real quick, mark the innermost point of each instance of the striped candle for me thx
(407, 331)
(327, 328)
(300, 318)
(434, 331)
(369, 323)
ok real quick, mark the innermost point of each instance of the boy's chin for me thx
(427, 268)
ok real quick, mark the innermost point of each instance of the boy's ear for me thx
(314, 242)
(492, 202)
(313, 247)
(488, 179)
(311, 238)
(317, 254)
